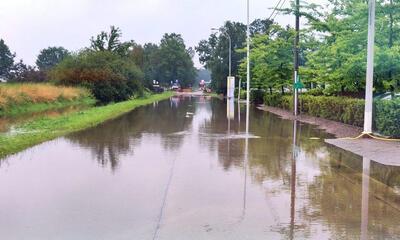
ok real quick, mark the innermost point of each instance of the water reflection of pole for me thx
(293, 182)
(365, 198)
(246, 160)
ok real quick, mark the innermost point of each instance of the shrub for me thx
(346, 110)
(257, 96)
(387, 117)
(110, 77)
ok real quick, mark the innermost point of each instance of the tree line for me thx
(333, 49)
(112, 69)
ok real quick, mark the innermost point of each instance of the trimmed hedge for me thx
(343, 109)
(387, 117)
(340, 109)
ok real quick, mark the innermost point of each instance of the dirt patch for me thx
(338, 129)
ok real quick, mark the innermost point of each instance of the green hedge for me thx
(387, 117)
(340, 109)
(345, 110)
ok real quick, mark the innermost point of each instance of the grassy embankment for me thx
(44, 129)
(17, 99)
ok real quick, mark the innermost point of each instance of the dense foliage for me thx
(340, 109)
(167, 62)
(114, 70)
(343, 109)
(333, 44)
(387, 117)
(6, 59)
(110, 77)
(50, 57)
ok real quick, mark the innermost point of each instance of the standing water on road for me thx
(186, 169)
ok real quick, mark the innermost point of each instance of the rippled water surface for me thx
(186, 169)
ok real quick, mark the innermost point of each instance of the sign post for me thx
(230, 87)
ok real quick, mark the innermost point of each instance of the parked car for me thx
(388, 96)
(156, 87)
(175, 87)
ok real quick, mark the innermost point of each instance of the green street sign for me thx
(298, 84)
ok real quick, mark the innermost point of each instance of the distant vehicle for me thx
(156, 87)
(388, 96)
(3, 80)
(202, 85)
(175, 87)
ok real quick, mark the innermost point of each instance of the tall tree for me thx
(6, 59)
(271, 58)
(152, 60)
(111, 42)
(175, 61)
(214, 52)
(51, 56)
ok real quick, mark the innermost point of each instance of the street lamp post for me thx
(296, 59)
(370, 69)
(248, 69)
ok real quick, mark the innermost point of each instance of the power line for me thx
(277, 5)
(276, 12)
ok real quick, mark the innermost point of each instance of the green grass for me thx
(45, 129)
(27, 108)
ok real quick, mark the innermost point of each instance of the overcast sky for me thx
(28, 26)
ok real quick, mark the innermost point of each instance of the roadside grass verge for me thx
(28, 108)
(24, 98)
(44, 129)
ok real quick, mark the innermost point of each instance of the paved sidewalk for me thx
(387, 153)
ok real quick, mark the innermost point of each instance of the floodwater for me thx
(186, 169)
(8, 124)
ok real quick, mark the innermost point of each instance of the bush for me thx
(257, 96)
(110, 77)
(345, 110)
(387, 117)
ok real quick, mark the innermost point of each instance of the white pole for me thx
(248, 67)
(240, 84)
(230, 55)
(365, 198)
(370, 69)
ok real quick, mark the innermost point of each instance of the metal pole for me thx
(230, 54)
(248, 68)
(370, 69)
(240, 86)
(296, 57)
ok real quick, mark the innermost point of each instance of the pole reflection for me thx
(365, 198)
(293, 181)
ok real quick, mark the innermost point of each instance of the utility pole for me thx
(248, 68)
(370, 69)
(296, 58)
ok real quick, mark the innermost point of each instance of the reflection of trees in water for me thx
(334, 193)
(270, 156)
(338, 191)
(118, 137)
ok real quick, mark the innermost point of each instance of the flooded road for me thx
(186, 169)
